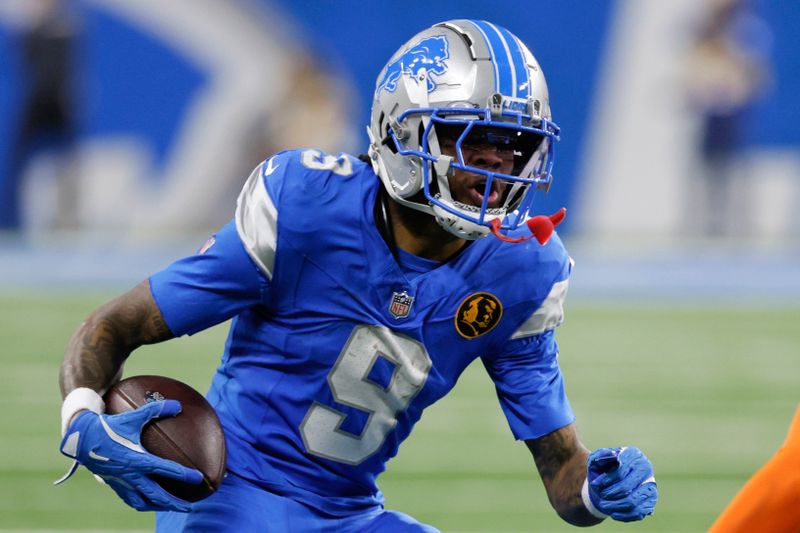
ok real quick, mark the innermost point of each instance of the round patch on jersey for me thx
(478, 314)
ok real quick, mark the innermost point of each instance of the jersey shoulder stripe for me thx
(257, 218)
(546, 279)
(548, 316)
(302, 185)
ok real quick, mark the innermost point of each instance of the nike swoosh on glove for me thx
(110, 447)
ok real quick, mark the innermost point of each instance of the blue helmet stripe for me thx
(503, 69)
(506, 50)
(523, 81)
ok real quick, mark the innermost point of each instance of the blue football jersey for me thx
(335, 349)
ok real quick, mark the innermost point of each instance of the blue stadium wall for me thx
(355, 38)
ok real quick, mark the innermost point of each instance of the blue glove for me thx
(621, 484)
(110, 447)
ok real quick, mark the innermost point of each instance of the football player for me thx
(769, 500)
(360, 289)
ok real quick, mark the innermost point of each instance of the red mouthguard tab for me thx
(541, 227)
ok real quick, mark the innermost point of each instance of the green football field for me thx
(707, 392)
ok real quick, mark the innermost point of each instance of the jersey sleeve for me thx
(235, 273)
(205, 289)
(530, 386)
(525, 369)
(550, 313)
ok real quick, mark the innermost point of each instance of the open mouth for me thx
(476, 193)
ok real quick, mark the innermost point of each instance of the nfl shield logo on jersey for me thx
(401, 304)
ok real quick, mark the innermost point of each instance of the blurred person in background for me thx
(727, 72)
(361, 288)
(770, 500)
(312, 113)
(48, 117)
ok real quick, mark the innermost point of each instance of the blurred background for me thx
(128, 128)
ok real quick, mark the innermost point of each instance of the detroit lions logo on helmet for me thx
(430, 53)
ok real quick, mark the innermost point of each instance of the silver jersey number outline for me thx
(350, 384)
(318, 160)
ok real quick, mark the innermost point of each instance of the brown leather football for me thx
(193, 437)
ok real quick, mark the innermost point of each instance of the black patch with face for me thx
(478, 314)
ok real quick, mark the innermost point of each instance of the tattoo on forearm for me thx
(101, 344)
(552, 451)
(561, 460)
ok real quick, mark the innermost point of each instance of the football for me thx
(193, 437)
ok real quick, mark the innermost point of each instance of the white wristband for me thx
(587, 501)
(78, 400)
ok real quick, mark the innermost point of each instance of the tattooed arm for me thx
(561, 459)
(99, 347)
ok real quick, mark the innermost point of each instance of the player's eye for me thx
(448, 134)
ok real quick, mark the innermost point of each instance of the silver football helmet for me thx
(475, 82)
